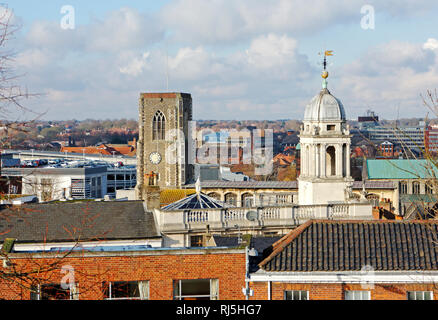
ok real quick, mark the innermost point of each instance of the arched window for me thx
(159, 126)
(247, 200)
(403, 187)
(231, 198)
(416, 187)
(215, 195)
(429, 188)
(331, 161)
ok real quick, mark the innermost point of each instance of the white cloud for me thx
(271, 50)
(239, 59)
(193, 64)
(123, 29)
(431, 44)
(33, 58)
(224, 21)
(388, 78)
(136, 66)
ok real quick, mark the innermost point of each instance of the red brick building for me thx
(364, 260)
(156, 274)
(119, 256)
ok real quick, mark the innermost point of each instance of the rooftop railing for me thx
(258, 217)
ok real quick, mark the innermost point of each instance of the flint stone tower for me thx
(163, 146)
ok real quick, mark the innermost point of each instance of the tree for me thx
(31, 272)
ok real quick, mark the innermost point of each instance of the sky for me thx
(239, 59)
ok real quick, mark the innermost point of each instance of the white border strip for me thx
(348, 277)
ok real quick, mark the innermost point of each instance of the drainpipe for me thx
(247, 291)
(246, 273)
(269, 290)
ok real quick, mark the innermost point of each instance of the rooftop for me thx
(87, 221)
(400, 169)
(211, 184)
(324, 245)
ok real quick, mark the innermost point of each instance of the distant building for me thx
(389, 150)
(412, 137)
(76, 180)
(431, 138)
(369, 120)
(414, 178)
(104, 149)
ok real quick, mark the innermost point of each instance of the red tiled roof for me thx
(102, 149)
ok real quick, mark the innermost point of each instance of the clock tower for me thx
(163, 145)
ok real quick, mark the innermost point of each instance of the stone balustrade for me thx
(261, 217)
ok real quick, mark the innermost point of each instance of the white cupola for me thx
(325, 143)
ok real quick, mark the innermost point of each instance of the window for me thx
(247, 200)
(205, 289)
(158, 126)
(403, 187)
(196, 241)
(296, 295)
(330, 161)
(231, 199)
(126, 290)
(357, 295)
(215, 195)
(420, 295)
(416, 187)
(429, 188)
(54, 292)
(331, 127)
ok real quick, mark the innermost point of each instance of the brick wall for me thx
(337, 291)
(160, 269)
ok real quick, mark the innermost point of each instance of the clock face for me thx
(155, 157)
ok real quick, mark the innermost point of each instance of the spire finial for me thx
(198, 186)
(325, 73)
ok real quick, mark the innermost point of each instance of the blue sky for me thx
(240, 59)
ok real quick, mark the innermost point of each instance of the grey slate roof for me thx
(282, 184)
(260, 243)
(248, 184)
(91, 220)
(350, 245)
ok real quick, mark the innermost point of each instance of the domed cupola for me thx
(324, 107)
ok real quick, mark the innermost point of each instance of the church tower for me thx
(325, 142)
(162, 149)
